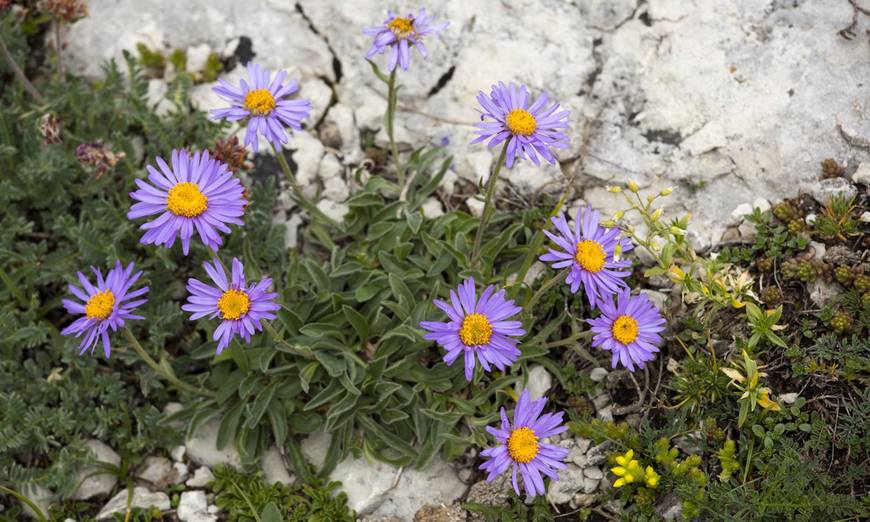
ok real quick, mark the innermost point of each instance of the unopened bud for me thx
(677, 231)
(657, 214)
(613, 189)
(618, 215)
(666, 191)
(632, 186)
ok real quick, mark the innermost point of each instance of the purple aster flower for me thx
(263, 103)
(477, 326)
(240, 306)
(520, 447)
(589, 251)
(398, 33)
(532, 129)
(629, 329)
(197, 194)
(105, 305)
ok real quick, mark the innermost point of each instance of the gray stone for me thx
(659, 299)
(193, 507)
(571, 481)
(824, 190)
(582, 444)
(281, 36)
(598, 374)
(40, 496)
(865, 217)
(601, 401)
(307, 153)
(97, 483)
(330, 167)
(142, 498)
(496, 493)
(291, 236)
(197, 56)
(179, 472)
(437, 483)
(593, 472)
(442, 513)
(335, 189)
(818, 250)
(597, 454)
(788, 398)
(590, 485)
(332, 209)
(177, 453)
(823, 293)
(274, 470)
(583, 500)
(200, 479)
(202, 450)
(539, 382)
(432, 208)
(340, 121)
(320, 94)
(475, 206)
(862, 174)
(605, 414)
(156, 470)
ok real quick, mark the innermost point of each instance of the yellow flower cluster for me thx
(629, 470)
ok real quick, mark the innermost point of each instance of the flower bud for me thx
(666, 191)
(613, 189)
(632, 186)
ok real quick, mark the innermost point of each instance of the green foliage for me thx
(790, 486)
(58, 219)
(727, 460)
(764, 325)
(536, 511)
(837, 220)
(246, 498)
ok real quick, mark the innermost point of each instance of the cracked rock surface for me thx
(729, 101)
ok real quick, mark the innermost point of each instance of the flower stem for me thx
(487, 205)
(163, 371)
(58, 46)
(31, 90)
(561, 275)
(303, 201)
(391, 115)
(538, 240)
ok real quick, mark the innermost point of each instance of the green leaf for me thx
(333, 365)
(229, 425)
(261, 404)
(278, 420)
(358, 321)
(271, 513)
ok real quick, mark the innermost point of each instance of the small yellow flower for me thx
(652, 478)
(628, 470)
(632, 186)
(613, 189)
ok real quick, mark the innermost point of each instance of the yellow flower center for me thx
(100, 305)
(522, 445)
(401, 27)
(521, 121)
(590, 255)
(260, 101)
(233, 304)
(475, 330)
(624, 329)
(186, 200)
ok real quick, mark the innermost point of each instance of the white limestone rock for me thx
(332, 209)
(202, 450)
(539, 382)
(197, 56)
(274, 470)
(102, 483)
(281, 36)
(432, 208)
(201, 478)
(193, 507)
(142, 498)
